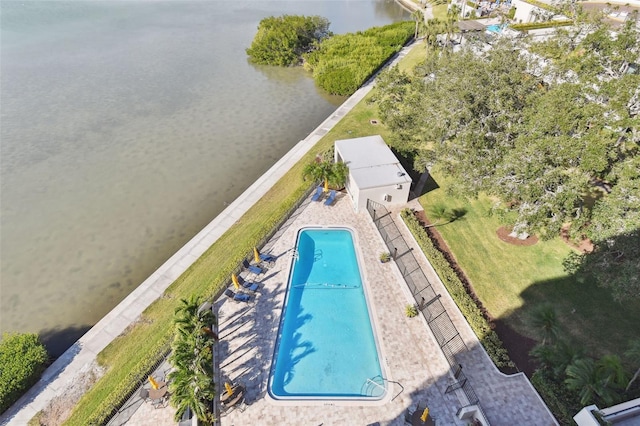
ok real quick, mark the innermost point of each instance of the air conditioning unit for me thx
(386, 197)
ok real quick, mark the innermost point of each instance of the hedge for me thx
(556, 397)
(540, 25)
(480, 325)
(23, 359)
(541, 5)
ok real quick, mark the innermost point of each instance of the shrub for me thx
(344, 62)
(480, 325)
(282, 40)
(559, 400)
(22, 360)
(411, 311)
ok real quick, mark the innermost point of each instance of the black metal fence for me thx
(427, 301)
(115, 416)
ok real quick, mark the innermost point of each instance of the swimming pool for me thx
(326, 348)
(495, 28)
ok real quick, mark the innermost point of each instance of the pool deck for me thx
(410, 353)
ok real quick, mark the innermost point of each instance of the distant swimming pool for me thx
(326, 347)
(495, 28)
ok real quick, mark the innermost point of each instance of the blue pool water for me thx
(495, 28)
(326, 347)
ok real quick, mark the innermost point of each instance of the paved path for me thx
(80, 358)
(505, 399)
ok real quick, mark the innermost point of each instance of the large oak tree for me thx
(541, 126)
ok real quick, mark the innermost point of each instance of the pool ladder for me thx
(377, 382)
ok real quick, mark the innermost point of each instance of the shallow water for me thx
(125, 128)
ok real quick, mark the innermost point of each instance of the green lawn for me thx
(513, 280)
(439, 11)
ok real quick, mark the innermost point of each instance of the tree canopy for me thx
(543, 127)
(342, 63)
(283, 40)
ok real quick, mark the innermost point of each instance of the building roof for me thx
(466, 26)
(371, 162)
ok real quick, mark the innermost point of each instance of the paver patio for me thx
(417, 370)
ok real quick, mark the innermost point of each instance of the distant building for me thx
(527, 12)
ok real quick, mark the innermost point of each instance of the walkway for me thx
(81, 357)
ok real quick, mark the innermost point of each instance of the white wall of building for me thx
(388, 196)
(374, 172)
(526, 12)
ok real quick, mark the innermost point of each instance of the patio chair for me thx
(252, 268)
(144, 394)
(332, 196)
(317, 196)
(237, 297)
(268, 258)
(251, 286)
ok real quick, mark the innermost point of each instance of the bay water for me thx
(126, 127)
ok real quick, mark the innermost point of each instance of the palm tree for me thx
(557, 357)
(610, 369)
(633, 353)
(339, 175)
(433, 28)
(318, 171)
(441, 214)
(544, 319)
(418, 16)
(583, 376)
(334, 174)
(564, 355)
(451, 23)
(544, 354)
(191, 382)
(191, 391)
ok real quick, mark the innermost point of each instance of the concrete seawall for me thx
(81, 356)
